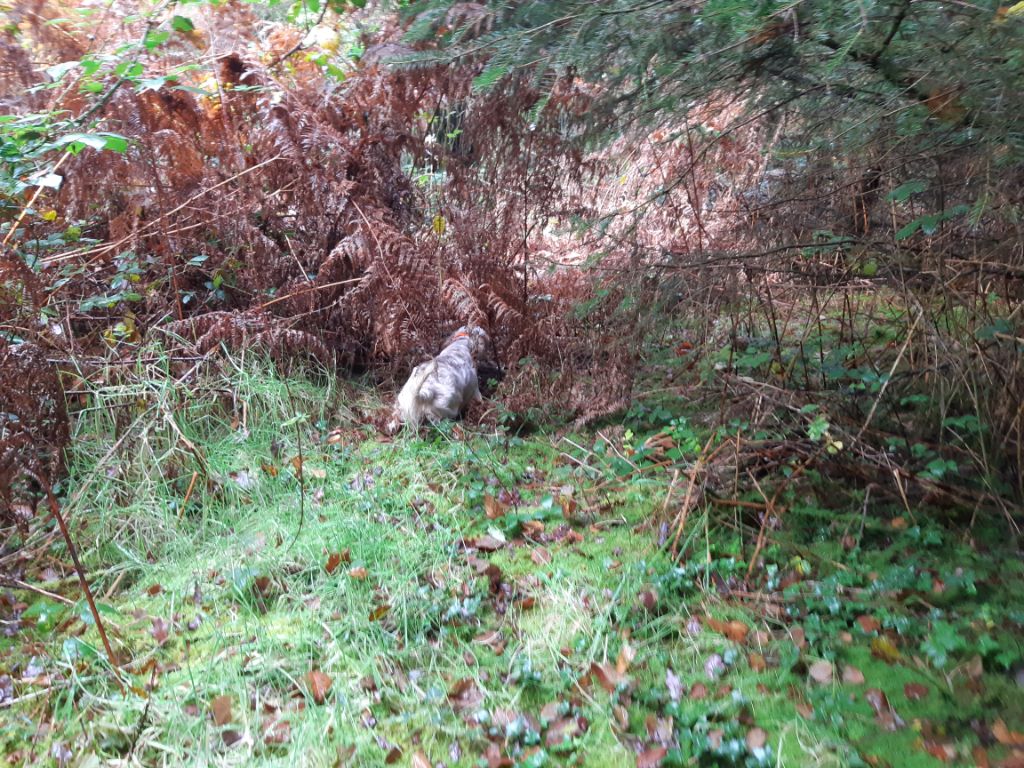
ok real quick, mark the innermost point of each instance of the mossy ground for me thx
(474, 597)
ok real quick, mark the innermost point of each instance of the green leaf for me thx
(182, 24)
(903, 192)
(155, 38)
(487, 79)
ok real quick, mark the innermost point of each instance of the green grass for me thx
(229, 596)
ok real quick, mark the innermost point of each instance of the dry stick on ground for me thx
(55, 511)
(771, 510)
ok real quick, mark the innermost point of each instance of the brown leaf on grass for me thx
(868, 624)
(915, 691)
(562, 731)
(821, 672)
(488, 543)
(885, 715)
(420, 760)
(270, 469)
(1005, 736)
(757, 662)
(533, 529)
(231, 736)
(698, 691)
(540, 556)
(626, 655)
(607, 676)
(805, 710)
(882, 648)
(852, 675)
(715, 738)
(154, 589)
(651, 757)
(276, 731)
(940, 750)
(493, 508)
(756, 738)
(159, 631)
(799, 637)
(648, 600)
(337, 558)
(359, 573)
(465, 696)
(220, 709)
(393, 756)
(379, 612)
(735, 630)
(318, 683)
(980, 755)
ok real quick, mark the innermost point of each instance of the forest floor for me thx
(471, 597)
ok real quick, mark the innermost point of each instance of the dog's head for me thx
(475, 336)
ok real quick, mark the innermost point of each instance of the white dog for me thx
(444, 387)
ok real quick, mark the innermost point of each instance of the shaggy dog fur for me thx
(444, 387)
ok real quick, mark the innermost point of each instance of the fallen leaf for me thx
(562, 731)
(609, 678)
(220, 708)
(651, 757)
(1005, 736)
(465, 695)
(159, 631)
(821, 672)
(940, 750)
(698, 691)
(276, 731)
(852, 675)
(393, 756)
(270, 469)
(488, 543)
(626, 655)
(540, 556)
(231, 736)
(734, 630)
(756, 738)
(915, 691)
(715, 738)
(493, 508)
(757, 662)
(359, 573)
(420, 760)
(885, 715)
(868, 624)
(333, 561)
(318, 683)
(980, 755)
(805, 710)
(674, 685)
(379, 612)
(799, 637)
(154, 589)
(882, 648)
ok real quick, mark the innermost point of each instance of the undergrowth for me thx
(478, 598)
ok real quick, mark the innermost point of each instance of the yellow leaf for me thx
(440, 225)
(50, 215)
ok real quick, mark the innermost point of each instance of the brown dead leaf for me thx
(276, 731)
(608, 677)
(698, 691)
(562, 731)
(756, 738)
(335, 559)
(493, 508)
(805, 710)
(269, 468)
(852, 675)
(868, 624)
(735, 630)
(1005, 736)
(488, 543)
(159, 631)
(220, 708)
(885, 715)
(799, 637)
(940, 750)
(420, 760)
(533, 529)
(465, 696)
(540, 556)
(715, 738)
(379, 612)
(393, 756)
(154, 589)
(757, 662)
(651, 757)
(318, 683)
(626, 655)
(915, 691)
(359, 573)
(821, 672)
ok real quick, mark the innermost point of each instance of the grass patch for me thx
(471, 597)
